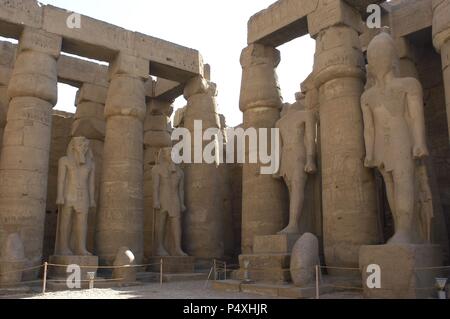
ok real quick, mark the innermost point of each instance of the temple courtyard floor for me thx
(173, 290)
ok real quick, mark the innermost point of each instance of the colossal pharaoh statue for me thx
(168, 198)
(394, 132)
(297, 156)
(76, 183)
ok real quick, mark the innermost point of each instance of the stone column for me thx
(348, 188)
(407, 55)
(120, 216)
(26, 144)
(7, 55)
(157, 135)
(89, 122)
(264, 198)
(203, 222)
(441, 41)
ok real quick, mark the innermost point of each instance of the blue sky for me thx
(217, 28)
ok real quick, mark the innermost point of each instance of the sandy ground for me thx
(174, 290)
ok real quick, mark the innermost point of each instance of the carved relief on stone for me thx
(394, 132)
(297, 156)
(168, 199)
(76, 194)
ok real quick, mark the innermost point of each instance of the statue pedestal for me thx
(402, 270)
(172, 264)
(87, 264)
(10, 274)
(275, 244)
(270, 261)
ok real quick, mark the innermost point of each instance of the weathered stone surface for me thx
(61, 128)
(331, 13)
(441, 41)
(156, 136)
(58, 266)
(274, 244)
(75, 197)
(264, 199)
(283, 21)
(410, 16)
(348, 189)
(259, 85)
(405, 270)
(172, 264)
(304, 259)
(12, 260)
(120, 215)
(25, 153)
(77, 72)
(203, 221)
(124, 270)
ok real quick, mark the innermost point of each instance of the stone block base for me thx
(275, 244)
(172, 265)
(87, 264)
(269, 268)
(402, 270)
(10, 274)
(270, 290)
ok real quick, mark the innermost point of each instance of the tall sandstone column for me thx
(264, 198)
(89, 122)
(7, 55)
(157, 135)
(26, 144)
(203, 222)
(441, 40)
(349, 201)
(120, 217)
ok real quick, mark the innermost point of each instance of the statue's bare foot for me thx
(85, 253)
(180, 253)
(289, 230)
(66, 252)
(402, 238)
(162, 252)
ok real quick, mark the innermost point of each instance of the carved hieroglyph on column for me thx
(264, 199)
(394, 131)
(441, 41)
(120, 217)
(204, 218)
(156, 136)
(89, 122)
(26, 141)
(7, 55)
(349, 202)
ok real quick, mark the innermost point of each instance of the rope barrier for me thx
(20, 270)
(107, 267)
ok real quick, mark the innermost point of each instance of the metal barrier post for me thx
(44, 281)
(317, 282)
(161, 273)
(225, 266)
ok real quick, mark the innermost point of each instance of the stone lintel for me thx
(334, 13)
(410, 16)
(282, 22)
(99, 40)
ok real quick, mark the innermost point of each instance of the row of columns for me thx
(112, 119)
(348, 189)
